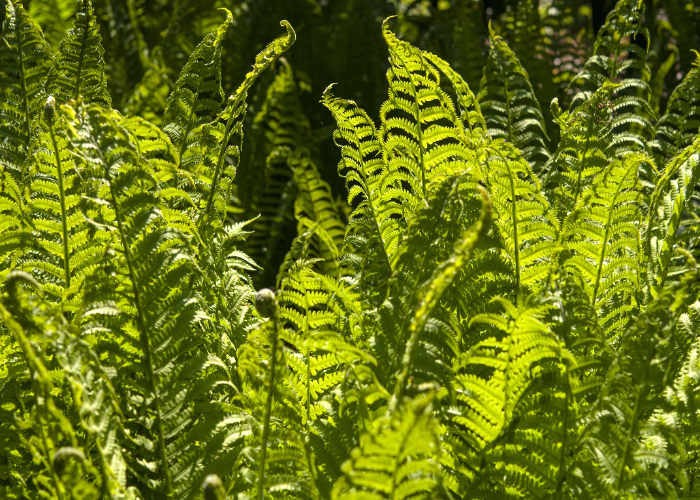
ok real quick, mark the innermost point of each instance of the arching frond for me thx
(221, 141)
(197, 96)
(420, 131)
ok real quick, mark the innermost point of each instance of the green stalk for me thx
(268, 404)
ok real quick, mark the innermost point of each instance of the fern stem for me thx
(145, 340)
(219, 162)
(268, 404)
(62, 200)
(86, 32)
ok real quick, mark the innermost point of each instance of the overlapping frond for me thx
(148, 322)
(603, 236)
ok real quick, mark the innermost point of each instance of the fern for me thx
(67, 248)
(509, 105)
(617, 59)
(679, 125)
(603, 237)
(80, 68)
(26, 58)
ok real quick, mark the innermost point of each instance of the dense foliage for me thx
(497, 297)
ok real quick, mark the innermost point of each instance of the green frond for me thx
(79, 69)
(314, 208)
(364, 167)
(63, 462)
(197, 96)
(602, 236)
(65, 248)
(421, 134)
(582, 154)
(526, 225)
(416, 335)
(281, 462)
(221, 141)
(509, 105)
(397, 458)
(671, 208)
(149, 324)
(616, 58)
(495, 375)
(634, 441)
(680, 124)
(26, 59)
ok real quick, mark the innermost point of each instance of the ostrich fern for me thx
(480, 308)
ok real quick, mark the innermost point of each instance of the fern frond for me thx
(197, 96)
(616, 58)
(79, 69)
(421, 132)
(149, 321)
(669, 206)
(221, 141)
(66, 249)
(26, 59)
(282, 460)
(314, 208)
(397, 458)
(633, 433)
(509, 105)
(602, 234)
(363, 166)
(680, 124)
(496, 373)
(64, 463)
(586, 134)
(526, 225)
